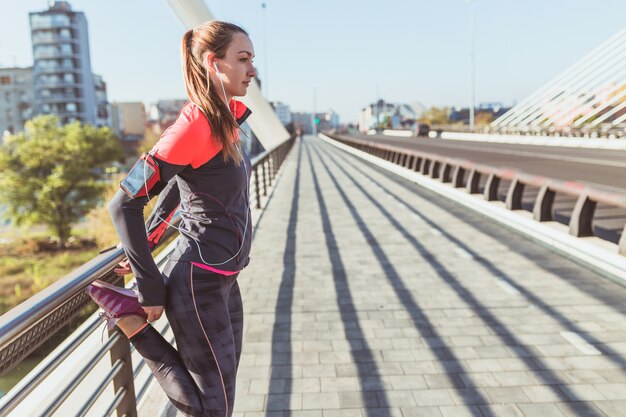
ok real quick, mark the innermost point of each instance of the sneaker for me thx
(116, 302)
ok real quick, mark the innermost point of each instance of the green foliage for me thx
(150, 138)
(100, 227)
(29, 264)
(52, 174)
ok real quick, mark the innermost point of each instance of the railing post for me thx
(257, 190)
(434, 171)
(622, 243)
(124, 379)
(542, 210)
(473, 182)
(445, 172)
(457, 177)
(491, 187)
(263, 173)
(514, 195)
(418, 164)
(581, 222)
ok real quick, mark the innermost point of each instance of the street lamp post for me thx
(472, 64)
(266, 78)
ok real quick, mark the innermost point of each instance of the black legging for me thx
(190, 376)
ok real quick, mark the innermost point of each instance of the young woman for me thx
(198, 167)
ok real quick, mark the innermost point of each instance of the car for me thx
(422, 129)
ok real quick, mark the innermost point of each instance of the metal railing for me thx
(30, 324)
(476, 178)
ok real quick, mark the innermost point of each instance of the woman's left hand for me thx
(123, 268)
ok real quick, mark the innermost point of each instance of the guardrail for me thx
(605, 132)
(488, 180)
(30, 324)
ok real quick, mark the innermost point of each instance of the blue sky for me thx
(343, 54)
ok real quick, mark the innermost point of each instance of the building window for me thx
(70, 107)
(5, 80)
(7, 97)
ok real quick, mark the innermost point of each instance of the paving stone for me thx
(582, 392)
(459, 411)
(283, 402)
(544, 393)
(357, 400)
(314, 401)
(543, 410)
(580, 409)
(421, 412)
(511, 379)
(612, 391)
(402, 382)
(501, 410)
(483, 365)
(301, 385)
(382, 412)
(250, 403)
(395, 398)
(469, 396)
(433, 397)
(349, 412)
(506, 395)
(339, 384)
(615, 408)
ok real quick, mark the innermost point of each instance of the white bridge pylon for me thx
(263, 121)
(589, 94)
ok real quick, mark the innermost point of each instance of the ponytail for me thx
(203, 93)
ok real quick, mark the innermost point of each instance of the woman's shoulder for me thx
(188, 139)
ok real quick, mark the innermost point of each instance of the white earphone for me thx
(219, 75)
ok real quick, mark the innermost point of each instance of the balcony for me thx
(51, 24)
(56, 70)
(47, 38)
(60, 98)
(57, 84)
(55, 54)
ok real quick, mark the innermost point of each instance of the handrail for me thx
(30, 324)
(454, 170)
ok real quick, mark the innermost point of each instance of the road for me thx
(598, 168)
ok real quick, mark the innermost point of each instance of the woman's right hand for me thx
(153, 312)
(123, 268)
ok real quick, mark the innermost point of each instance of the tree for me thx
(53, 175)
(436, 116)
(483, 118)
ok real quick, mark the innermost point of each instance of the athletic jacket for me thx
(212, 195)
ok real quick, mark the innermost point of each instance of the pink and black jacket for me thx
(210, 194)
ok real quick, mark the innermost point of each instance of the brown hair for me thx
(213, 36)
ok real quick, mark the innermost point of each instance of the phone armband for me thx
(142, 177)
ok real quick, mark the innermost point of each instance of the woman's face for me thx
(236, 67)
